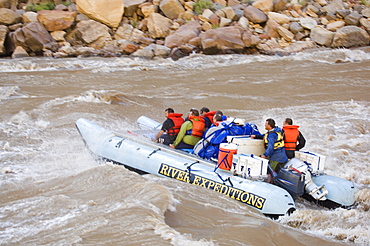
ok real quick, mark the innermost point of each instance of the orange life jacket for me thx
(198, 126)
(291, 134)
(177, 121)
(210, 115)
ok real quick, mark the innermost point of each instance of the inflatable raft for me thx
(146, 157)
(301, 176)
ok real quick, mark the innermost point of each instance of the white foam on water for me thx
(194, 61)
(9, 92)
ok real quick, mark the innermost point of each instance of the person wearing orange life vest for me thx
(191, 132)
(170, 127)
(291, 136)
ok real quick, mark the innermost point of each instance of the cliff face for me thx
(177, 28)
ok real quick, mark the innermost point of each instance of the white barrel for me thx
(146, 123)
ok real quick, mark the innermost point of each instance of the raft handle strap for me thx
(225, 180)
(118, 145)
(154, 151)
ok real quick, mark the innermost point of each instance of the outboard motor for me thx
(292, 180)
(317, 192)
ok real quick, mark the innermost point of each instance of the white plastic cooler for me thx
(247, 145)
(246, 165)
(316, 161)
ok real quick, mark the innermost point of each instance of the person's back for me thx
(170, 127)
(208, 116)
(291, 136)
(191, 132)
(274, 145)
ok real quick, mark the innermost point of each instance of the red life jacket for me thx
(177, 121)
(291, 134)
(198, 126)
(210, 115)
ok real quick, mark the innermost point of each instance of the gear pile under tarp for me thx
(208, 146)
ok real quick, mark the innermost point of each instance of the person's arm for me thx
(257, 136)
(181, 134)
(167, 124)
(159, 134)
(301, 141)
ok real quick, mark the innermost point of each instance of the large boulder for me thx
(223, 40)
(366, 24)
(9, 17)
(152, 51)
(183, 34)
(353, 18)
(127, 47)
(271, 28)
(255, 15)
(107, 12)
(249, 39)
(299, 46)
(279, 18)
(350, 36)
(90, 33)
(308, 23)
(171, 8)
(129, 33)
(280, 5)
(270, 47)
(295, 27)
(29, 16)
(334, 26)
(131, 6)
(331, 9)
(19, 52)
(33, 37)
(56, 20)
(321, 36)
(264, 5)
(159, 26)
(3, 32)
(5, 4)
(285, 33)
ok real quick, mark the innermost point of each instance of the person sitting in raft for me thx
(190, 132)
(291, 136)
(188, 113)
(274, 145)
(207, 115)
(170, 127)
(218, 118)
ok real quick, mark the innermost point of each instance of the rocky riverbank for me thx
(177, 28)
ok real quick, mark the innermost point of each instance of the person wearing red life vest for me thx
(208, 116)
(292, 136)
(170, 127)
(191, 132)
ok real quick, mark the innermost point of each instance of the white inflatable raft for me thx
(302, 176)
(140, 155)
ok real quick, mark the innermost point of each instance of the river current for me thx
(53, 192)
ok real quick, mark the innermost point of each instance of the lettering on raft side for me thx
(237, 194)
